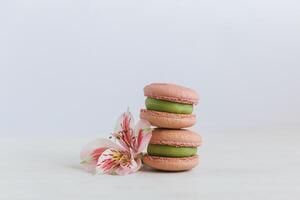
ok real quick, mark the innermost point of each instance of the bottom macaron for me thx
(171, 163)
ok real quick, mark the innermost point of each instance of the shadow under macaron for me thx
(148, 169)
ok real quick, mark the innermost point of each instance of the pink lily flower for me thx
(124, 156)
(136, 139)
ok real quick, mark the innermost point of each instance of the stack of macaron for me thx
(169, 107)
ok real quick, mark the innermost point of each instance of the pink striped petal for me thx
(91, 152)
(124, 130)
(108, 162)
(125, 121)
(143, 134)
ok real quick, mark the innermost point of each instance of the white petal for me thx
(138, 164)
(144, 125)
(144, 143)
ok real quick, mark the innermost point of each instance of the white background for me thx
(69, 68)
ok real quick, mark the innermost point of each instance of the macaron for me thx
(169, 105)
(173, 150)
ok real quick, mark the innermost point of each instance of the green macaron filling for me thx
(170, 151)
(167, 106)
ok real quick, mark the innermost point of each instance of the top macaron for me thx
(171, 92)
(169, 105)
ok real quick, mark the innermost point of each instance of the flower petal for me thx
(91, 152)
(144, 142)
(138, 164)
(109, 161)
(143, 134)
(113, 162)
(125, 121)
(124, 131)
(142, 125)
(133, 166)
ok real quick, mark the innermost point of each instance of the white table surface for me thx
(238, 165)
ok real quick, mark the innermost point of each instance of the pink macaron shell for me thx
(168, 120)
(174, 137)
(171, 164)
(171, 92)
